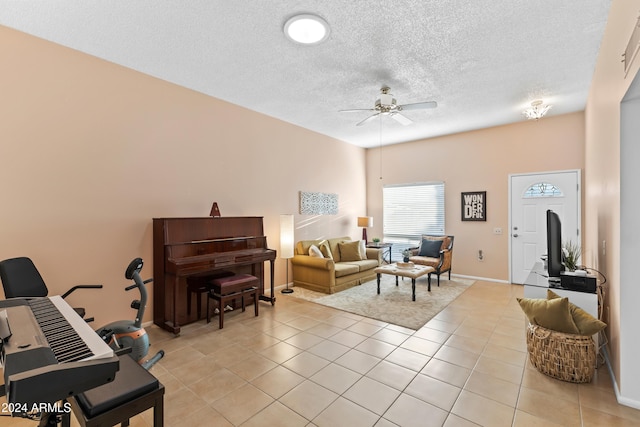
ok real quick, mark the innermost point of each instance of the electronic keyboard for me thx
(49, 352)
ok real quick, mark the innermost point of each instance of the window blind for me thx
(410, 210)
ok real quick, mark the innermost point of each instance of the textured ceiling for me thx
(482, 61)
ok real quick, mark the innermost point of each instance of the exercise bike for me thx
(127, 336)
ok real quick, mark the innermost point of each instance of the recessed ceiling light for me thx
(306, 29)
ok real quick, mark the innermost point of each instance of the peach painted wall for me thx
(602, 191)
(92, 151)
(478, 161)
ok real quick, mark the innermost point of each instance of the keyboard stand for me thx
(133, 391)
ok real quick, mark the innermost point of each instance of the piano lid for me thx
(188, 230)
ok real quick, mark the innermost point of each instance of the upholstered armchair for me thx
(434, 251)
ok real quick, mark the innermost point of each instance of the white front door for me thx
(531, 195)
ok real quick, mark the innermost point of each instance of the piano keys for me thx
(51, 353)
(202, 246)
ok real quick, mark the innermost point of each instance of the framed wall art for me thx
(474, 206)
(318, 203)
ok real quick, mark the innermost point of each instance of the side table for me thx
(386, 250)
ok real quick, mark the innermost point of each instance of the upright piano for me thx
(188, 247)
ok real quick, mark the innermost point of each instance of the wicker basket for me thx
(567, 357)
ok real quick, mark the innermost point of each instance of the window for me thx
(542, 189)
(410, 210)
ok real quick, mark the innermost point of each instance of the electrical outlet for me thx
(497, 230)
(604, 247)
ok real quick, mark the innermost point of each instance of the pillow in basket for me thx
(586, 323)
(552, 314)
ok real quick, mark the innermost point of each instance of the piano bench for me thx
(133, 391)
(199, 285)
(226, 289)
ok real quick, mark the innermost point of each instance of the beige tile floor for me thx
(302, 364)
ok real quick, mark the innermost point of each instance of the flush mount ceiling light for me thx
(536, 111)
(306, 29)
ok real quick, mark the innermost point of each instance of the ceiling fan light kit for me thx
(307, 29)
(536, 111)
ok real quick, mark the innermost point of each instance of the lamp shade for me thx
(365, 221)
(286, 236)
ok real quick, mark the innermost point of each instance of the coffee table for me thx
(413, 273)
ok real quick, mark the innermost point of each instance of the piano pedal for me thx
(227, 308)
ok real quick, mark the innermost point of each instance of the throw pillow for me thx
(349, 251)
(552, 314)
(430, 248)
(325, 249)
(363, 249)
(586, 323)
(314, 251)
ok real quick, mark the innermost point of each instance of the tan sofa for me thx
(441, 256)
(338, 272)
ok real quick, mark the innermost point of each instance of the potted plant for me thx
(571, 252)
(406, 254)
(376, 240)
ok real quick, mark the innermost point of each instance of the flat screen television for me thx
(554, 246)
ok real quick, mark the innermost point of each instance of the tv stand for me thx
(537, 283)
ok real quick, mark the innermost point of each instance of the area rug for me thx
(394, 304)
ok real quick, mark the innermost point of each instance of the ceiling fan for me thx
(387, 105)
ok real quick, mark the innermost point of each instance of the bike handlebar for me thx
(135, 285)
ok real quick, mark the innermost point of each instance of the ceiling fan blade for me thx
(356, 110)
(367, 120)
(403, 120)
(418, 106)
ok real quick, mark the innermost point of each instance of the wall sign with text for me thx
(474, 206)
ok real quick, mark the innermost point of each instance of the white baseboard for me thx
(621, 399)
(280, 287)
(485, 279)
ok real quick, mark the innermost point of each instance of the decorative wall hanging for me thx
(474, 206)
(318, 203)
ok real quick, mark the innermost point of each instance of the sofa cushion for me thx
(302, 247)
(349, 251)
(552, 314)
(315, 252)
(325, 249)
(430, 248)
(344, 269)
(446, 241)
(423, 260)
(333, 245)
(586, 323)
(364, 265)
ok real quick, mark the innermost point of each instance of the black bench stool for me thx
(229, 288)
(133, 391)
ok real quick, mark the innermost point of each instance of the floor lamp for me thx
(286, 244)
